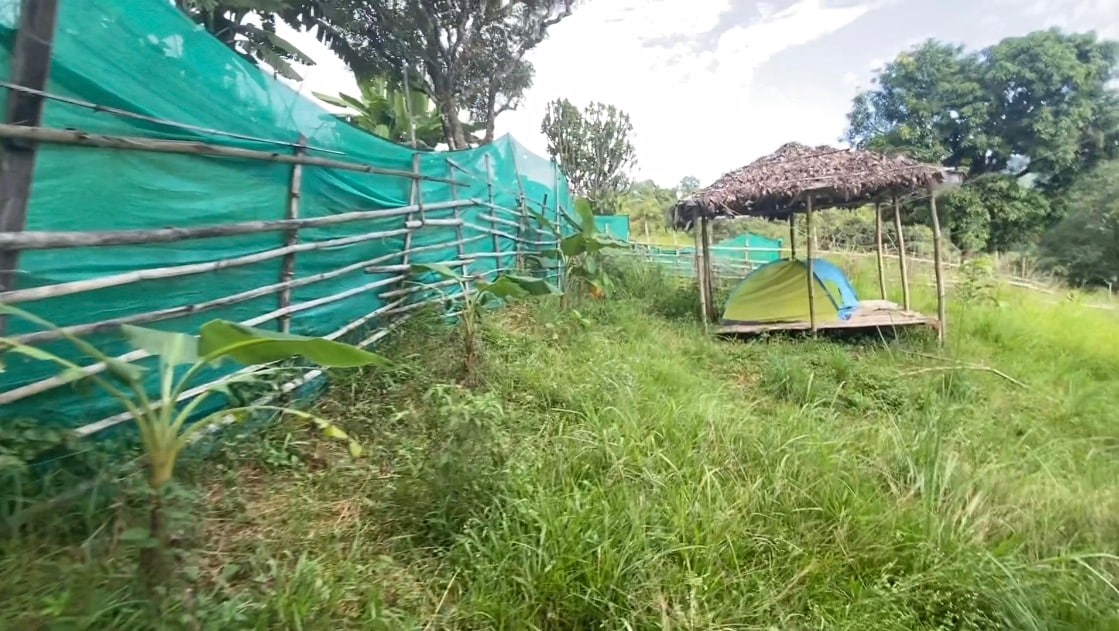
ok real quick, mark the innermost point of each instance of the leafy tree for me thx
(594, 150)
(387, 111)
(688, 185)
(1084, 246)
(1037, 105)
(229, 21)
(995, 213)
(647, 205)
(465, 55)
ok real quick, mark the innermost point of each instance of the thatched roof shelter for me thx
(776, 185)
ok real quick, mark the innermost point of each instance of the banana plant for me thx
(386, 111)
(477, 294)
(167, 420)
(580, 253)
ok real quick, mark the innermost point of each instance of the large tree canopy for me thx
(234, 23)
(1038, 105)
(467, 55)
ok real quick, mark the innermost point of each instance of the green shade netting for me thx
(145, 57)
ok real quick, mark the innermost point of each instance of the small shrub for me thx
(454, 466)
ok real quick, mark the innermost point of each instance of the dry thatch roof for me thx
(774, 186)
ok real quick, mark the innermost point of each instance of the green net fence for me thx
(734, 256)
(169, 160)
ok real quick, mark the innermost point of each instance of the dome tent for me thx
(778, 292)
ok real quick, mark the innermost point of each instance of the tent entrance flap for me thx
(778, 292)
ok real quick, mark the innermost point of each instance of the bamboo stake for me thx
(287, 268)
(460, 239)
(414, 200)
(941, 306)
(489, 193)
(30, 66)
(177, 271)
(901, 255)
(62, 240)
(878, 249)
(811, 271)
(519, 258)
(187, 147)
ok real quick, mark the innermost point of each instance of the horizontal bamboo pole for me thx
(389, 269)
(418, 287)
(177, 271)
(50, 383)
(104, 326)
(116, 419)
(59, 240)
(159, 121)
(186, 147)
(506, 235)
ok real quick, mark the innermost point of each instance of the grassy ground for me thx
(627, 472)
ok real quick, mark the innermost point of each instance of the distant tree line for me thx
(1032, 121)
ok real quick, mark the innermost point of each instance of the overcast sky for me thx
(713, 84)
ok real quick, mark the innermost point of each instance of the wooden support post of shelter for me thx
(811, 271)
(792, 235)
(30, 68)
(902, 265)
(938, 261)
(291, 237)
(709, 290)
(700, 254)
(878, 249)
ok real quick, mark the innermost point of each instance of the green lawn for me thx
(628, 472)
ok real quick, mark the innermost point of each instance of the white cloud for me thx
(694, 113)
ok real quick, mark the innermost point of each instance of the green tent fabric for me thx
(778, 292)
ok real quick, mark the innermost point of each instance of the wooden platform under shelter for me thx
(891, 321)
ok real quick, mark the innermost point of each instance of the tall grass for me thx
(628, 472)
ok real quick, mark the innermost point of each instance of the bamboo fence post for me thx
(522, 227)
(811, 271)
(878, 249)
(905, 301)
(30, 67)
(459, 236)
(499, 263)
(792, 234)
(287, 267)
(414, 197)
(938, 257)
